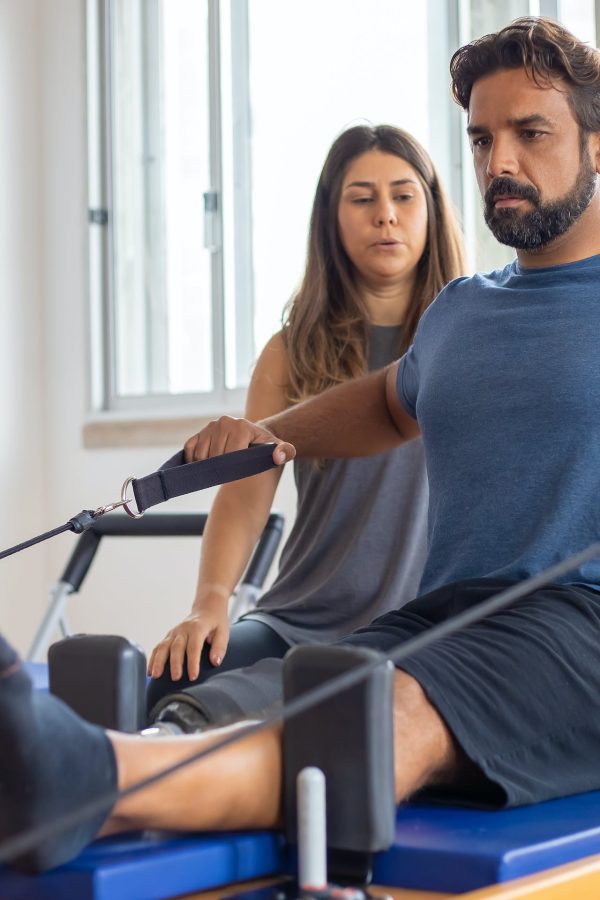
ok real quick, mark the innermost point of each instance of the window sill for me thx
(128, 431)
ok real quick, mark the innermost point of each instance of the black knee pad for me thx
(182, 711)
(349, 737)
(101, 677)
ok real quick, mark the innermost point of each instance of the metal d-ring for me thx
(125, 500)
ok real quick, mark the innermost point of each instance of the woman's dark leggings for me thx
(249, 641)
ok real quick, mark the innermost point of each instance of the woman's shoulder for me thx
(274, 358)
(268, 389)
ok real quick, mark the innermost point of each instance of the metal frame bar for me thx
(243, 276)
(445, 116)
(217, 276)
(155, 525)
(100, 278)
(155, 287)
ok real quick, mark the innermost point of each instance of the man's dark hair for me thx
(546, 50)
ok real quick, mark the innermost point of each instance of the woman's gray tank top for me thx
(357, 547)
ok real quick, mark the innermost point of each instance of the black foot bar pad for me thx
(101, 677)
(350, 738)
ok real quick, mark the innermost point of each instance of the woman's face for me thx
(382, 218)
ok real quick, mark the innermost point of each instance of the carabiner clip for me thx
(124, 502)
(108, 508)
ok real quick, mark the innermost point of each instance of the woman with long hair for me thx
(383, 241)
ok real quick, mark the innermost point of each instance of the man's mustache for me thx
(513, 188)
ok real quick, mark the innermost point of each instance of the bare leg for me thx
(240, 786)
(237, 787)
(53, 763)
(425, 752)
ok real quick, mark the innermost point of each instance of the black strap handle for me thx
(176, 477)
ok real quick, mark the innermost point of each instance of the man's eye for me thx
(480, 141)
(532, 135)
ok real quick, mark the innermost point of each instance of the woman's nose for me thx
(386, 214)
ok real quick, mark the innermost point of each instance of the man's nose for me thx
(502, 159)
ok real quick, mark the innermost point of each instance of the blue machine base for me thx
(444, 848)
(436, 848)
(152, 866)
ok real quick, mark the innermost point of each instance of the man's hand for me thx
(226, 434)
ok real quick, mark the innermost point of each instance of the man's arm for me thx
(356, 418)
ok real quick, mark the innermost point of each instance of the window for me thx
(156, 311)
(209, 123)
(345, 62)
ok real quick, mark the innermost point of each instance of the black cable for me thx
(19, 844)
(79, 523)
(36, 540)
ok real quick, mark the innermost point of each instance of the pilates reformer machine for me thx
(342, 698)
(186, 524)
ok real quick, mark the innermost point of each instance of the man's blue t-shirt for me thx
(504, 380)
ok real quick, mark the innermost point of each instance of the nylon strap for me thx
(176, 477)
(173, 479)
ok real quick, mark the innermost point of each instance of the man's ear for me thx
(595, 149)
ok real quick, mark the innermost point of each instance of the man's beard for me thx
(534, 230)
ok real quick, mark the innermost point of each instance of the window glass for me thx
(235, 103)
(579, 17)
(187, 179)
(162, 308)
(486, 253)
(316, 68)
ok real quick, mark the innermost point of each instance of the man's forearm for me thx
(352, 419)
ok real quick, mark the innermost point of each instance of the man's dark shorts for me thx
(520, 691)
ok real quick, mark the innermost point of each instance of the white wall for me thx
(138, 588)
(22, 418)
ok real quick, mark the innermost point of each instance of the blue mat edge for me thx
(153, 868)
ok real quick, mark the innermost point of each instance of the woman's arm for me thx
(237, 517)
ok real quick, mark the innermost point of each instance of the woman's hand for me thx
(226, 434)
(209, 623)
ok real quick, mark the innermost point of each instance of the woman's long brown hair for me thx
(325, 323)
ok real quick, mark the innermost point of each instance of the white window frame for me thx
(232, 299)
(103, 394)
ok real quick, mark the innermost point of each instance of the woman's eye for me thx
(404, 197)
(361, 200)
